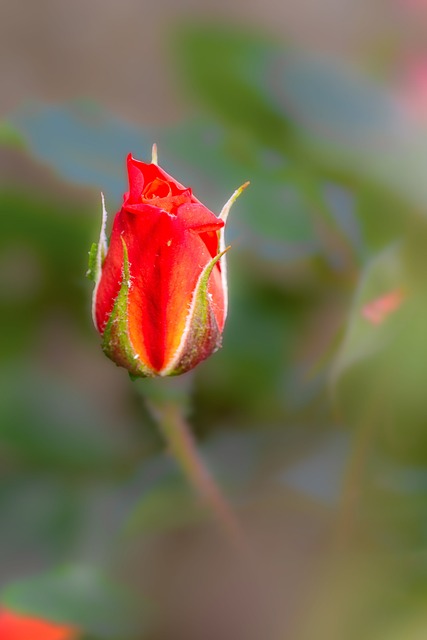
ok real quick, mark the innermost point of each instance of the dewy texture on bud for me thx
(160, 298)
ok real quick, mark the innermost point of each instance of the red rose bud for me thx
(14, 626)
(160, 298)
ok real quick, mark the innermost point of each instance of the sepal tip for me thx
(226, 208)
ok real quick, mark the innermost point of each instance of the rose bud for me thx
(15, 626)
(160, 297)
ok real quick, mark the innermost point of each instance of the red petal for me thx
(111, 277)
(197, 217)
(142, 173)
(141, 208)
(200, 219)
(136, 179)
(166, 261)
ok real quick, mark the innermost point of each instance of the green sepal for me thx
(203, 337)
(92, 271)
(116, 342)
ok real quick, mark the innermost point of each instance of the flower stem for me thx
(355, 472)
(182, 446)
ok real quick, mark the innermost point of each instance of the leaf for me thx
(362, 338)
(356, 595)
(225, 67)
(327, 98)
(169, 505)
(326, 116)
(275, 218)
(9, 136)
(277, 91)
(43, 253)
(80, 596)
(82, 143)
(40, 522)
(378, 371)
(346, 120)
(48, 423)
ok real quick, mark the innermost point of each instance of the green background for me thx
(312, 418)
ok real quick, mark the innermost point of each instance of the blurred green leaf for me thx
(199, 153)
(346, 120)
(43, 245)
(331, 100)
(395, 516)
(80, 596)
(357, 596)
(363, 337)
(40, 522)
(50, 424)
(82, 143)
(218, 161)
(326, 116)
(10, 136)
(242, 380)
(169, 505)
(378, 372)
(225, 66)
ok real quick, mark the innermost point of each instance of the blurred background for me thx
(313, 416)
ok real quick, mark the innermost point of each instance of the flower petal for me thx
(201, 335)
(143, 173)
(166, 260)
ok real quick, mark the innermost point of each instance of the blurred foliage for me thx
(312, 417)
(79, 594)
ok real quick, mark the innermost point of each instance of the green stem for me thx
(182, 446)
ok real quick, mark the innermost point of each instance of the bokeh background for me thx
(313, 416)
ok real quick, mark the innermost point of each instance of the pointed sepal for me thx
(97, 254)
(201, 336)
(116, 342)
(224, 216)
(92, 271)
